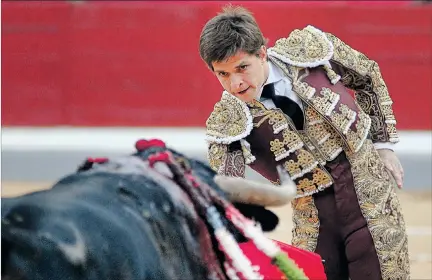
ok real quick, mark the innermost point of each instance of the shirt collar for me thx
(275, 75)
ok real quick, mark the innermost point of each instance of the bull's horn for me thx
(247, 191)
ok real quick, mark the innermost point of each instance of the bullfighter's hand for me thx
(393, 164)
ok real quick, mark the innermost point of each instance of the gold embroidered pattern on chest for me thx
(291, 142)
(304, 164)
(344, 119)
(327, 101)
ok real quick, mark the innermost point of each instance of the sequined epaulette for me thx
(230, 120)
(307, 47)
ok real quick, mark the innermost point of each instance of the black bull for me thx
(116, 220)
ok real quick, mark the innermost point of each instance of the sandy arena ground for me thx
(417, 207)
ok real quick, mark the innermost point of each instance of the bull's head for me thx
(239, 190)
(250, 197)
(131, 205)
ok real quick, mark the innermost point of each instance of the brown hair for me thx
(232, 30)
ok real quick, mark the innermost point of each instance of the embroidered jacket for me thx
(321, 68)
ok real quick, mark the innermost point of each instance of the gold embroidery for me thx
(312, 117)
(288, 147)
(303, 89)
(331, 74)
(318, 132)
(247, 153)
(387, 110)
(304, 168)
(264, 114)
(344, 119)
(230, 120)
(306, 187)
(306, 160)
(234, 164)
(291, 142)
(291, 139)
(361, 65)
(278, 121)
(356, 139)
(332, 147)
(259, 112)
(392, 132)
(278, 148)
(275, 117)
(224, 162)
(317, 152)
(364, 71)
(308, 47)
(380, 206)
(328, 143)
(327, 102)
(320, 180)
(304, 164)
(293, 168)
(305, 223)
(216, 155)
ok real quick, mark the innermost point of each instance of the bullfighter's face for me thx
(242, 74)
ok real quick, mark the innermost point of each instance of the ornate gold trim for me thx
(344, 119)
(230, 120)
(290, 143)
(352, 139)
(308, 47)
(327, 101)
(305, 224)
(217, 155)
(225, 162)
(357, 138)
(381, 208)
(288, 148)
(362, 65)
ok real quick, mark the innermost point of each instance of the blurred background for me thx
(88, 78)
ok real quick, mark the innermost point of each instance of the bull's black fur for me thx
(97, 224)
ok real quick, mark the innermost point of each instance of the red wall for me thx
(137, 63)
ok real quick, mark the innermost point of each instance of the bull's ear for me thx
(266, 218)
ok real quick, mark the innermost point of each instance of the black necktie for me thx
(288, 106)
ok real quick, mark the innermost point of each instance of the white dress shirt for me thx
(283, 87)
